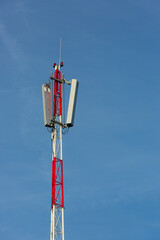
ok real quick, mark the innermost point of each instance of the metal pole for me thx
(63, 99)
(51, 97)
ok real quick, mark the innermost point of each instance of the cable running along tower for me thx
(53, 107)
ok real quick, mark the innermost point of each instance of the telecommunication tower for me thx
(53, 107)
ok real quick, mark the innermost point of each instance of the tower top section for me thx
(53, 99)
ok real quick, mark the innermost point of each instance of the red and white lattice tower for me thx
(57, 198)
(53, 107)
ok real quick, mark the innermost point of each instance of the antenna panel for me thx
(47, 98)
(72, 103)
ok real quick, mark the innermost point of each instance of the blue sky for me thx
(111, 156)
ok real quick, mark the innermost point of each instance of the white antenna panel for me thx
(72, 103)
(47, 98)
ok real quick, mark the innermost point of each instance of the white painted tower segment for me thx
(57, 213)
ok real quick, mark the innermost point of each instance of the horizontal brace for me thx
(51, 124)
(52, 78)
(58, 183)
(60, 81)
(57, 159)
(59, 205)
(56, 122)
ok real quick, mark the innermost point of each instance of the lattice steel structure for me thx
(57, 197)
(53, 105)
